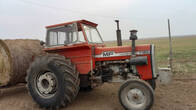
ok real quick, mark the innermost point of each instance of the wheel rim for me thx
(136, 97)
(46, 84)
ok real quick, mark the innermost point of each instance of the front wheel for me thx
(136, 94)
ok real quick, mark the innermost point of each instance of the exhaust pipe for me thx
(118, 34)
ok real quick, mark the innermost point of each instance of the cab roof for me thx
(78, 21)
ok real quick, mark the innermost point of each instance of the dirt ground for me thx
(178, 95)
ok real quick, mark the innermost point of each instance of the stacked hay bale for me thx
(15, 58)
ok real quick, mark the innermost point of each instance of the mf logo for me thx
(108, 53)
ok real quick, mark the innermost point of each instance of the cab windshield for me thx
(92, 34)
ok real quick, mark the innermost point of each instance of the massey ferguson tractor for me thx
(76, 57)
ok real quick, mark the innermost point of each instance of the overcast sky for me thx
(28, 18)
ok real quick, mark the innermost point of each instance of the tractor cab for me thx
(73, 33)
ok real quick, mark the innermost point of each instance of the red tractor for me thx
(76, 57)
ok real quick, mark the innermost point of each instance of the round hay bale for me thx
(15, 58)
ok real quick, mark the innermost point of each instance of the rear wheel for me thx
(52, 81)
(136, 94)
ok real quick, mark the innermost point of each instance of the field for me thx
(178, 95)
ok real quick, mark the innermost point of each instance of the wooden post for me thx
(170, 46)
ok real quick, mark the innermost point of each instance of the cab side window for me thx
(53, 38)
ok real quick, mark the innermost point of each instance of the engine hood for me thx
(120, 52)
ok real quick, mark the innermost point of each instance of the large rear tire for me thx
(52, 81)
(136, 94)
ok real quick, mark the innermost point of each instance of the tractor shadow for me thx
(104, 97)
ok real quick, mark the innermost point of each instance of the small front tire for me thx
(136, 94)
